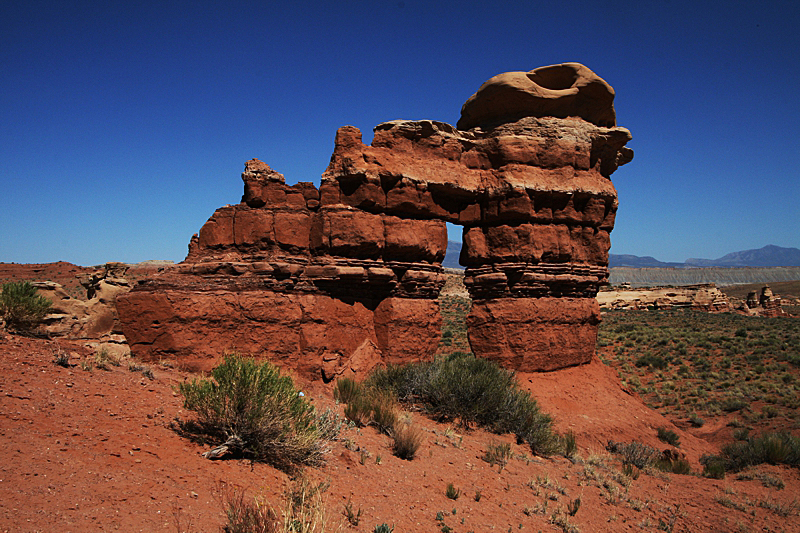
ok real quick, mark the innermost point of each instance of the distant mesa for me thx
(334, 280)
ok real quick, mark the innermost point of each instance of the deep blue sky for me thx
(124, 125)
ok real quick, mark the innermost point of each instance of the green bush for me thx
(473, 391)
(634, 453)
(668, 436)
(696, 421)
(255, 412)
(21, 306)
(676, 466)
(653, 361)
(367, 405)
(569, 444)
(770, 448)
(733, 404)
(452, 492)
(346, 389)
(713, 466)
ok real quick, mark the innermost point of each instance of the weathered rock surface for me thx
(323, 289)
(565, 90)
(337, 279)
(702, 297)
(94, 318)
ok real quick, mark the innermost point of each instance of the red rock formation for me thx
(323, 289)
(338, 279)
(767, 304)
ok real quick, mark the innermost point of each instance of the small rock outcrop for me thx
(93, 319)
(334, 280)
(764, 304)
(701, 297)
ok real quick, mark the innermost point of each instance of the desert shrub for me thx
(246, 516)
(713, 466)
(653, 361)
(741, 433)
(257, 413)
(384, 411)
(573, 506)
(22, 307)
(696, 421)
(733, 404)
(770, 448)
(668, 436)
(497, 453)
(353, 516)
(569, 444)
(452, 492)
(769, 411)
(383, 528)
(474, 391)
(634, 453)
(368, 405)
(359, 410)
(304, 509)
(346, 389)
(679, 466)
(406, 440)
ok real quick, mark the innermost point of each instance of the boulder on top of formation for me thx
(564, 90)
(334, 280)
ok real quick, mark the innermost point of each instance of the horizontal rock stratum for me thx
(333, 280)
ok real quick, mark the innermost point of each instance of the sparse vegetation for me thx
(248, 516)
(713, 467)
(770, 448)
(472, 391)
(303, 511)
(353, 516)
(406, 440)
(248, 409)
(498, 454)
(634, 453)
(668, 436)
(22, 307)
(569, 444)
(452, 492)
(695, 365)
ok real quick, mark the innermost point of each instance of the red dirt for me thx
(92, 451)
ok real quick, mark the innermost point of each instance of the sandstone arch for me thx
(337, 279)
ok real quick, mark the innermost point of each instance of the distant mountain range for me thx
(768, 256)
(451, 257)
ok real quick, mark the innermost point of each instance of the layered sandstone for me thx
(324, 289)
(764, 304)
(339, 278)
(701, 297)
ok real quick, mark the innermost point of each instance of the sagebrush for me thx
(251, 410)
